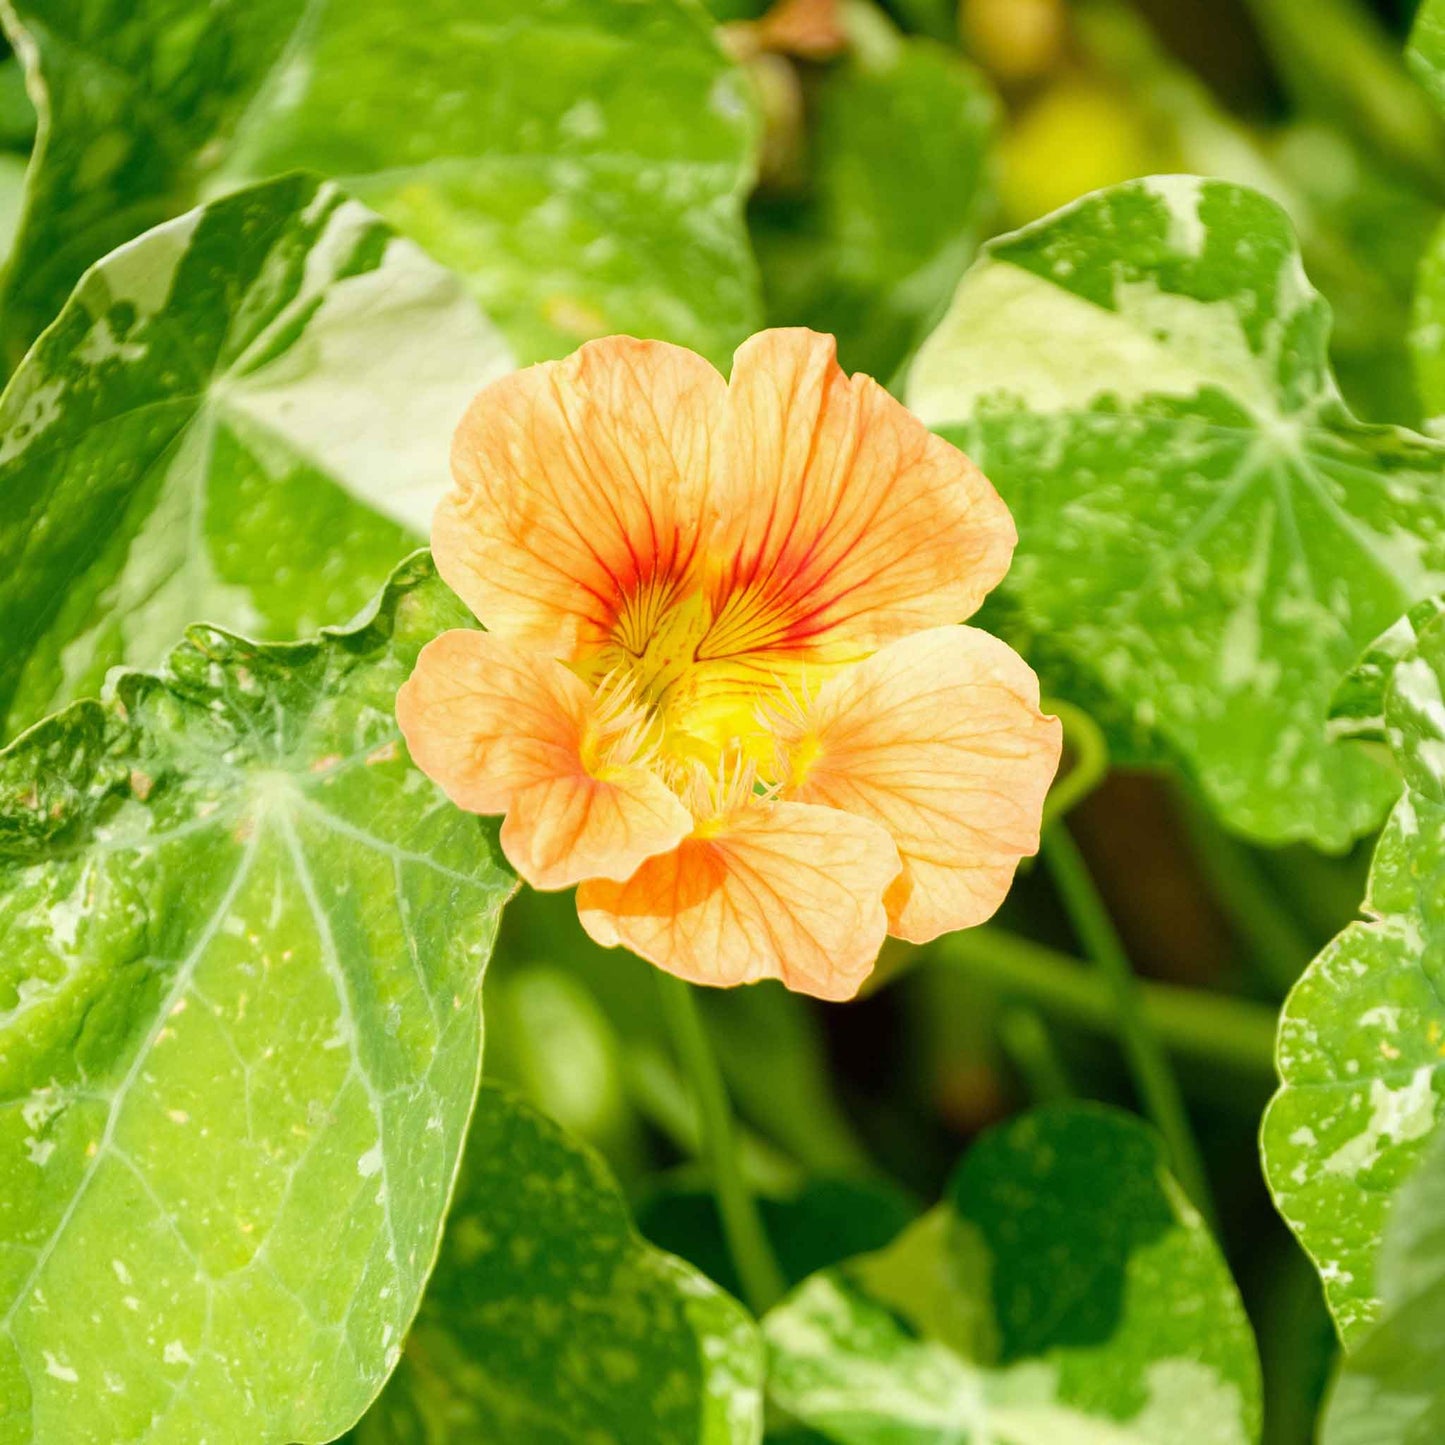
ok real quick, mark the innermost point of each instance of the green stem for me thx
(661, 1094)
(752, 1255)
(1025, 1039)
(1153, 1076)
(1088, 754)
(1212, 1029)
(1271, 934)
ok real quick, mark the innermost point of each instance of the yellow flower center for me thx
(701, 683)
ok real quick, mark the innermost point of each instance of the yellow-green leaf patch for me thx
(241, 946)
(242, 418)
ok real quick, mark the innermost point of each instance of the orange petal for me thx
(579, 484)
(782, 890)
(849, 523)
(939, 738)
(504, 730)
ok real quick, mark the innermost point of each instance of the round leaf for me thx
(242, 417)
(1064, 1294)
(1206, 534)
(549, 1321)
(240, 962)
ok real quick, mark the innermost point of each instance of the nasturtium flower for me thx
(723, 685)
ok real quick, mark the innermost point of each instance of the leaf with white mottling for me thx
(241, 948)
(1391, 1390)
(550, 1321)
(1064, 1294)
(1362, 1036)
(581, 163)
(1358, 708)
(1205, 532)
(240, 418)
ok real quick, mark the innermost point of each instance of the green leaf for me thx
(1064, 1294)
(1358, 707)
(240, 1030)
(818, 1224)
(242, 418)
(889, 218)
(1391, 1390)
(550, 1321)
(1206, 532)
(1362, 1036)
(584, 170)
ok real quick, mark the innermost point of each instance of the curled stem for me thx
(1088, 755)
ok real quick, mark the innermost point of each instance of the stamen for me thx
(622, 730)
(785, 716)
(716, 796)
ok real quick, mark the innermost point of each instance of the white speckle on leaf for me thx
(1398, 1115)
(58, 1369)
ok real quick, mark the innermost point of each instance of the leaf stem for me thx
(1153, 1075)
(1212, 1028)
(1271, 934)
(1026, 1040)
(752, 1255)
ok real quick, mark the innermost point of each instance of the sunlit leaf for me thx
(549, 1321)
(1064, 1294)
(240, 961)
(1391, 1390)
(581, 163)
(1358, 707)
(888, 218)
(240, 418)
(1362, 1036)
(1206, 533)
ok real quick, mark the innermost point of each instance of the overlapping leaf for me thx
(241, 947)
(1391, 1390)
(549, 1321)
(1362, 1036)
(581, 163)
(889, 216)
(240, 418)
(1207, 537)
(1064, 1294)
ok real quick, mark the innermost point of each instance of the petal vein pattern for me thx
(721, 686)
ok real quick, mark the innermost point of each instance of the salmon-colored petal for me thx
(848, 523)
(580, 489)
(940, 739)
(783, 890)
(505, 730)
